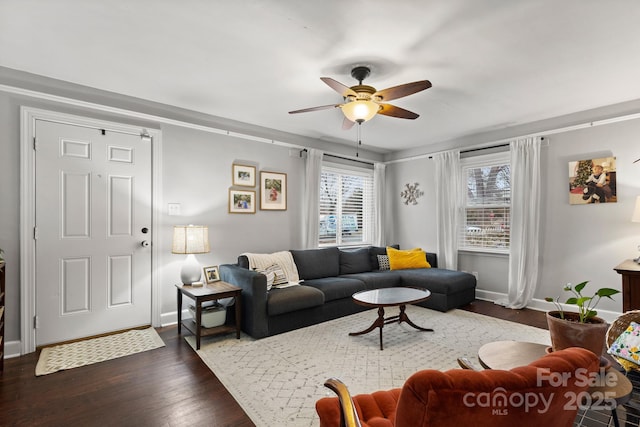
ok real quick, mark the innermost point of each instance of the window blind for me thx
(487, 204)
(346, 206)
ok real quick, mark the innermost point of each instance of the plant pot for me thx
(569, 332)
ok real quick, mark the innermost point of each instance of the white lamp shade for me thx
(636, 211)
(190, 239)
(360, 111)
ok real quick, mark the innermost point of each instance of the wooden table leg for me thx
(378, 323)
(404, 318)
(198, 322)
(238, 315)
(179, 311)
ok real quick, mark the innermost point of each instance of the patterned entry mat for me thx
(82, 353)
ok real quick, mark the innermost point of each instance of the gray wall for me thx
(197, 174)
(578, 242)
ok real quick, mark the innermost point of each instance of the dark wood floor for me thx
(170, 386)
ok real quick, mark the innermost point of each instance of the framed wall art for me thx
(211, 274)
(244, 175)
(592, 181)
(242, 201)
(273, 191)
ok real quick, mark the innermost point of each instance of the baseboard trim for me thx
(171, 318)
(12, 349)
(542, 305)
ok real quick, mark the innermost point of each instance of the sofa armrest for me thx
(254, 297)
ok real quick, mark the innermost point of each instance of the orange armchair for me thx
(545, 392)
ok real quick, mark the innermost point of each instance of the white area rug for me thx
(81, 353)
(277, 380)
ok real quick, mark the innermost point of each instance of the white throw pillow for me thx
(278, 278)
(270, 277)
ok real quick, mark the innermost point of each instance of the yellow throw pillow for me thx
(412, 258)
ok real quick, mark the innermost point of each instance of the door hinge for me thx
(36, 322)
(35, 143)
(144, 135)
(35, 233)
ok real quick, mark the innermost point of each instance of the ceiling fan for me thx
(363, 102)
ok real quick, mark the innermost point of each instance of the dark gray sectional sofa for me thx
(331, 276)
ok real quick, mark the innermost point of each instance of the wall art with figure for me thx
(592, 181)
(241, 201)
(273, 191)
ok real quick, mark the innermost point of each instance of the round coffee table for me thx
(390, 297)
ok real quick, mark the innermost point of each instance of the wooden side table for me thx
(209, 292)
(630, 272)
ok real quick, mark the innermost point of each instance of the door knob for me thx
(145, 244)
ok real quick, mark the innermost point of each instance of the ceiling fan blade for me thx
(322, 107)
(393, 111)
(396, 92)
(338, 87)
(347, 124)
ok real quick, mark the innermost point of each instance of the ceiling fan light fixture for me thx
(360, 111)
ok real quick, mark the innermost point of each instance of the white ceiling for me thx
(492, 63)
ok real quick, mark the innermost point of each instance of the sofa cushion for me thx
(438, 280)
(374, 251)
(354, 261)
(377, 279)
(293, 298)
(317, 263)
(412, 258)
(336, 287)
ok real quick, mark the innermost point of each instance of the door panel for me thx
(75, 274)
(120, 206)
(119, 280)
(93, 197)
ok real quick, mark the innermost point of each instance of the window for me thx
(486, 184)
(346, 205)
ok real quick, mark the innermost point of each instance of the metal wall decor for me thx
(411, 193)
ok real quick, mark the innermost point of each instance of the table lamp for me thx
(636, 218)
(190, 240)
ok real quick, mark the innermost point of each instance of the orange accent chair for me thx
(545, 392)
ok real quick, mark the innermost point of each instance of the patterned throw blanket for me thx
(284, 259)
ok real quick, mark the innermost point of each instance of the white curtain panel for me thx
(448, 205)
(311, 201)
(525, 222)
(378, 221)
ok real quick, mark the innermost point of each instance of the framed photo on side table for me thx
(211, 274)
(244, 175)
(273, 191)
(242, 201)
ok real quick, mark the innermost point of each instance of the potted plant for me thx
(582, 328)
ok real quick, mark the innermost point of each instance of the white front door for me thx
(92, 215)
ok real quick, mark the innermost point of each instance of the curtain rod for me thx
(346, 158)
(471, 150)
(335, 156)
